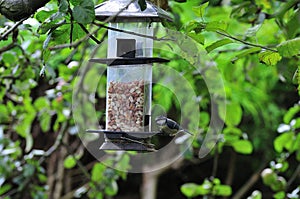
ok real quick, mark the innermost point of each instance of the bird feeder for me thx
(129, 73)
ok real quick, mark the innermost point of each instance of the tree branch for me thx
(231, 168)
(294, 176)
(57, 142)
(245, 42)
(130, 32)
(76, 44)
(215, 164)
(252, 180)
(87, 32)
(16, 25)
(8, 47)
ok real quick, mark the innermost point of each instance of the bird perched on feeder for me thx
(168, 126)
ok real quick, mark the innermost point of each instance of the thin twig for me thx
(245, 42)
(87, 32)
(231, 168)
(4, 36)
(8, 47)
(78, 162)
(72, 23)
(294, 176)
(130, 32)
(57, 142)
(76, 43)
(12, 44)
(252, 180)
(215, 164)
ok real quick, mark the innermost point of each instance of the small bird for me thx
(168, 126)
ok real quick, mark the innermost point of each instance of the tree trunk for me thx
(16, 10)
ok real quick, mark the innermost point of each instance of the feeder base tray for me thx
(126, 141)
(126, 146)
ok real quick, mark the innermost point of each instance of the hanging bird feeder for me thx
(129, 73)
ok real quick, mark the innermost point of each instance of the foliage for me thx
(209, 187)
(254, 44)
(235, 36)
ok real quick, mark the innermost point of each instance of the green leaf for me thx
(222, 190)
(97, 172)
(77, 32)
(216, 26)
(41, 103)
(63, 6)
(61, 34)
(194, 26)
(296, 146)
(232, 134)
(69, 162)
(233, 131)
(84, 12)
(197, 37)
(4, 114)
(46, 54)
(200, 10)
(142, 4)
(243, 146)
(289, 48)
(285, 140)
(45, 121)
(123, 163)
(246, 52)
(43, 178)
(269, 58)
(42, 15)
(204, 189)
(232, 116)
(291, 113)
(9, 58)
(204, 119)
(190, 190)
(5, 188)
(111, 189)
(24, 126)
(75, 2)
(53, 22)
(218, 44)
(266, 4)
(293, 25)
(279, 195)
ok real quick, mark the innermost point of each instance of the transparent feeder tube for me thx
(129, 87)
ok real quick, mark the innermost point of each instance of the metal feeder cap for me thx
(132, 12)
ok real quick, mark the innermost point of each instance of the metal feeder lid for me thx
(132, 13)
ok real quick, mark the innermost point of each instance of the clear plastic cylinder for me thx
(144, 46)
(129, 87)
